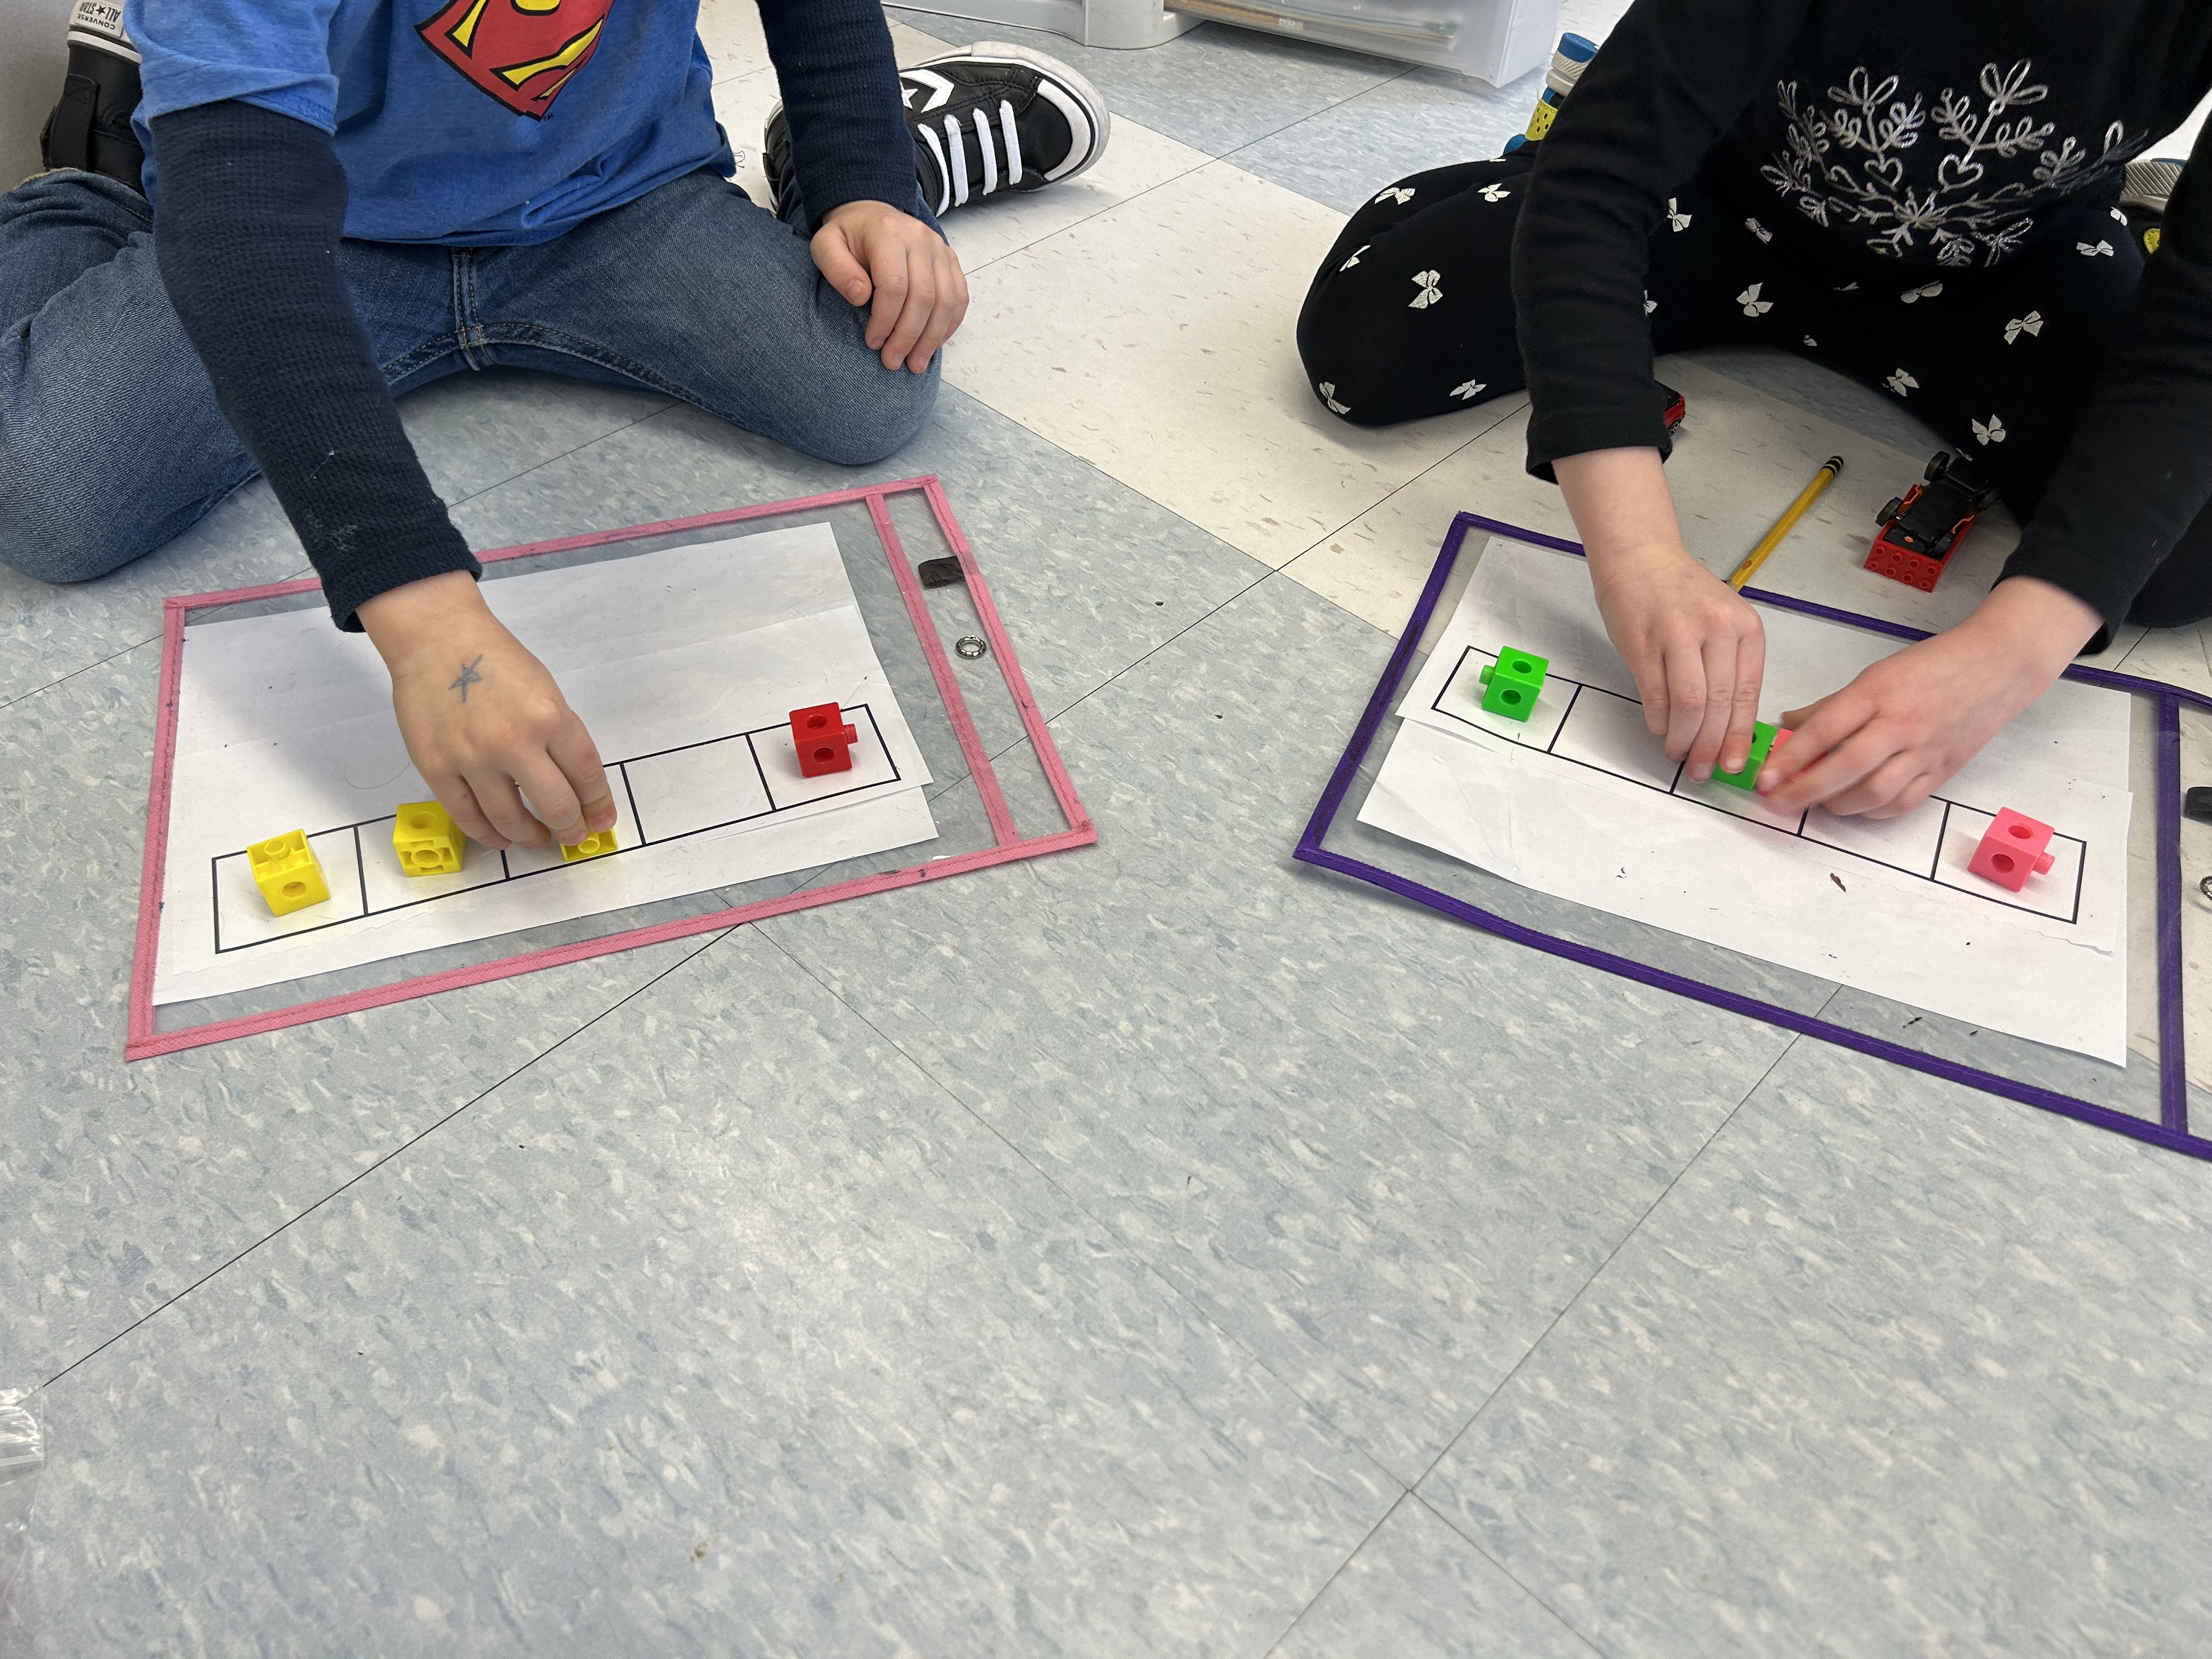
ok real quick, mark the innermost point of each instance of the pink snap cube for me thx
(2012, 850)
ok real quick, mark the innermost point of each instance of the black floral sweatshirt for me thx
(1876, 137)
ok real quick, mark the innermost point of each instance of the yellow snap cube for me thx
(288, 872)
(591, 847)
(425, 839)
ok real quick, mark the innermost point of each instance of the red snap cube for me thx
(2012, 850)
(823, 739)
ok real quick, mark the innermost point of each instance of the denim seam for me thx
(467, 334)
(569, 345)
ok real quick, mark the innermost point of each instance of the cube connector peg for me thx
(288, 872)
(1763, 739)
(2012, 850)
(593, 846)
(1513, 684)
(425, 839)
(823, 739)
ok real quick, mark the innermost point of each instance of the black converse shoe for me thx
(986, 118)
(90, 128)
(2149, 184)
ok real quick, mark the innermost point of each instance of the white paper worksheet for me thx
(1581, 801)
(684, 666)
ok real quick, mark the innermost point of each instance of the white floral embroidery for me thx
(1650, 305)
(1677, 217)
(1429, 294)
(1810, 341)
(1397, 193)
(1354, 259)
(1929, 292)
(2120, 216)
(1467, 391)
(1327, 390)
(1902, 382)
(2031, 324)
(2092, 249)
(1493, 192)
(1752, 304)
(1759, 230)
(1994, 432)
(1845, 164)
(1848, 287)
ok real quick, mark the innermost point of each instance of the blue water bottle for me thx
(1572, 54)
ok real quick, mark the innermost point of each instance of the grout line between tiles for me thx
(1134, 1254)
(1566, 1624)
(1688, 1163)
(1276, 1647)
(360, 1176)
(86, 668)
(1395, 490)
(1597, 1272)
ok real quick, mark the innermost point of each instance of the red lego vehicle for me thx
(1920, 532)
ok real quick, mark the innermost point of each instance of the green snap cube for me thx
(1762, 740)
(1513, 683)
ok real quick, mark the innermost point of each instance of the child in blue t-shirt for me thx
(267, 218)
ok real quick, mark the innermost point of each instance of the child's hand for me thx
(482, 720)
(1895, 734)
(870, 250)
(1695, 647)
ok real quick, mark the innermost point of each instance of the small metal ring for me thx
(970, 646)
(2205, 887)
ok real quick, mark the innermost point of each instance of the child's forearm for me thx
(251, 207)
(1619, 502)
(2037, 624)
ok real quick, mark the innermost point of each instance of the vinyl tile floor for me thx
(1159, 1249)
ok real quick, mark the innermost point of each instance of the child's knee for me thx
(876, 413)
(46, 536)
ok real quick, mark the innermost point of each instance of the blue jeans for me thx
(111, 442)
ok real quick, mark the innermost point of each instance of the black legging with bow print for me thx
(1411, 314)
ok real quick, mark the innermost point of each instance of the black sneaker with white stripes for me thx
(986, 119)
(90, 127)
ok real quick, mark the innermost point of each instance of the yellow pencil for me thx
(1784, 525)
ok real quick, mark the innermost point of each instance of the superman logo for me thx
(520, 52)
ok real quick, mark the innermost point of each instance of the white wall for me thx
(32, 61)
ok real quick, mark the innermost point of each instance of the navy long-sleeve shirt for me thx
(251, 201)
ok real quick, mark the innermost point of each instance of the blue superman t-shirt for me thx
(462, 122)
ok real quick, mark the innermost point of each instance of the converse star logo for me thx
(1356, 252)
(919, 80)
(1752, 304)
(1493, 192)
(1467, 391)
(1912, 295)
(2088, 252)
(1902, 382)
(1677, 217)
(1327, 390)
(1397, 193)
(1429, 294)
(1759, 230)
(2031, 324)
(1994, 432)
